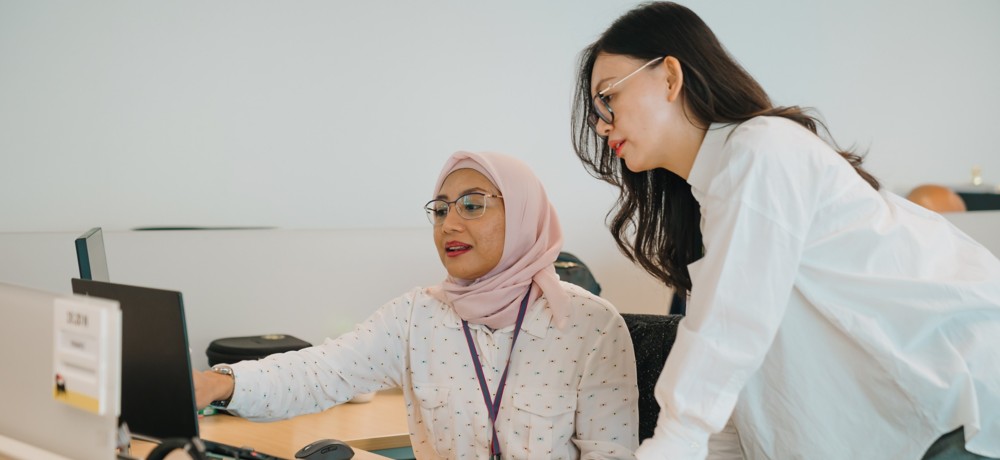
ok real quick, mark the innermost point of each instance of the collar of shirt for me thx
(536, 320)
(705, 163)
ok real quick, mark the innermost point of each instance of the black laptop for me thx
(157, 390)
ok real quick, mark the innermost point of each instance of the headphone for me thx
(193, 446)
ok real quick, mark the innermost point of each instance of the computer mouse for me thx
(326, 449)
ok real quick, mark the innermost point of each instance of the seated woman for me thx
(500, 331)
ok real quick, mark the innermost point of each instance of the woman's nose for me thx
(452, 221)
(603, 128)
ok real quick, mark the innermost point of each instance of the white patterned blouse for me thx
(570, 393)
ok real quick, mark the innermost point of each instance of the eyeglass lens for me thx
(469, 206)
(602, 110)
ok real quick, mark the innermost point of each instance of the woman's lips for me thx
(455, 249)
(616, 147)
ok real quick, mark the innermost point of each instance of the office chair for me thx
(652, 338)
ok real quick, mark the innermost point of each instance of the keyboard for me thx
(218, 450)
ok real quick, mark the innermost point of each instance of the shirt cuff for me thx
(674, 442)
(244, 380)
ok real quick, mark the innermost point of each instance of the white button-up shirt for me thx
(831, 321)
(570, 393)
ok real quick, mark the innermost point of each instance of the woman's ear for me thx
(675, 77)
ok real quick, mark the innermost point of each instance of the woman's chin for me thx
(462, 276)
(634, 166)
(467, 274)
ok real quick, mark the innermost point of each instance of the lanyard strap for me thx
(493, 406)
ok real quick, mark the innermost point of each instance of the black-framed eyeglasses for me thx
(601, 104)
(470, 206)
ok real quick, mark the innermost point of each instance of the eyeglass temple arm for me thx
(612, 85)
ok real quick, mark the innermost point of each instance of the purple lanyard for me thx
(494, 406)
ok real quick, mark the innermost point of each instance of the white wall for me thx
(320, 114)
(315, 114)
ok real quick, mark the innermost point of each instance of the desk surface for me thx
(379, 424)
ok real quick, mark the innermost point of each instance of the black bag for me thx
(234, 349)
(572, 270)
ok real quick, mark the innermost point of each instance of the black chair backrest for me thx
(652, 338)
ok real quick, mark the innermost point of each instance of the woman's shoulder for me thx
(769, 134)
(767, 145)
(417, 298)
(581, 299)
(415, 307)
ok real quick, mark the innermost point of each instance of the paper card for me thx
(84, 354)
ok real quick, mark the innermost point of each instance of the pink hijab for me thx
(532, 242)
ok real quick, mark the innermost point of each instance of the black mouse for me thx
(326, 449)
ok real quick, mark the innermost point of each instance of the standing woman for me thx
(827, 319)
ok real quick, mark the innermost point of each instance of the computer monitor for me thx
(38, 418)
(90, 255)
(157, 390)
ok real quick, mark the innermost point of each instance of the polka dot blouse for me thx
(570, 393)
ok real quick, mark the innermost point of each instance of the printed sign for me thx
(82, 367)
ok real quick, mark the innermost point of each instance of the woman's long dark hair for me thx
(656, 218)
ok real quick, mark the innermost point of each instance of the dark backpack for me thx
(572, 270)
